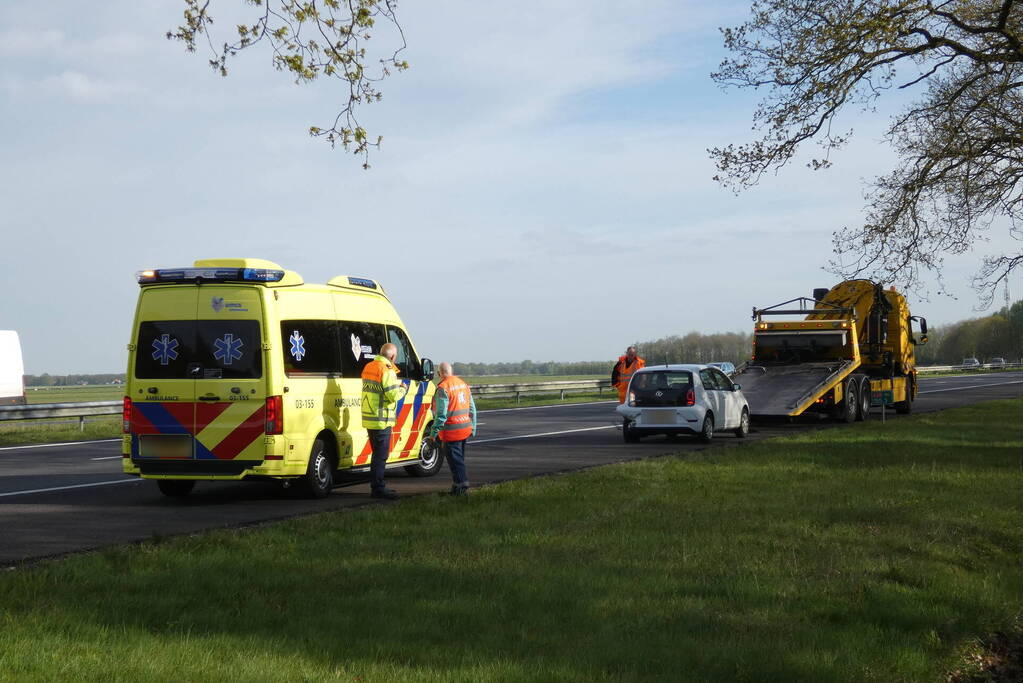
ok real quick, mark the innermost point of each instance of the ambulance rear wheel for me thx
(318, 479)
(430, 460)
(175, 488)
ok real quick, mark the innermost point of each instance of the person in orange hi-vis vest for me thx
(453, 423)
(623, 371)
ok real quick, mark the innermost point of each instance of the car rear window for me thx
(661, 388)
(199, 349)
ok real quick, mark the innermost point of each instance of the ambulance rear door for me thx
(163, 383)
(230, 370)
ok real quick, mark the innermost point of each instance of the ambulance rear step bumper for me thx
(195, 467)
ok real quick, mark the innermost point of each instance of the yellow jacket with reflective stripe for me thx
(381, 391)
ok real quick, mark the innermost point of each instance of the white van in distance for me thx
(12, 370)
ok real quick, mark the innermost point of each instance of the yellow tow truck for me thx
(849, 348)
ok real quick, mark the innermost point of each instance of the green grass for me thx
(104, 392)
(530, 379)
(866, 553)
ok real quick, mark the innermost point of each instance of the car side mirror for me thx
(736, 387)
(427, 370)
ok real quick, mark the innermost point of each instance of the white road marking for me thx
(51, 445)
(971, 386)
(108, 457)
(533, 436)
(73, 486)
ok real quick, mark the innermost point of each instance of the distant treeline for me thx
(528, 367)
(47, 380)
(999, 335)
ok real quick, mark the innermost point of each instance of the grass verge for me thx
(863, 553)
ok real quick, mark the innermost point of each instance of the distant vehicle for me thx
(971, 363)
(996, 362)
(683, 399)
(12, 370)
(724, 366)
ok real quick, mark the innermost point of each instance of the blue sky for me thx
(546, 159)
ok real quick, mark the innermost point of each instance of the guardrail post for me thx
(81, 423)
(562, 394)
(517, 396)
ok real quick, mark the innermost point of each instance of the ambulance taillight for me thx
(126, 415)
(274, 415)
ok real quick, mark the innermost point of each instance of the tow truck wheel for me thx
(628, 433)
(707, 433)
(846, 410)
(863, 413)
(175, 488)
(743, 429)
(906, 407)
(318, 479)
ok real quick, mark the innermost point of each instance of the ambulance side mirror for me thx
(427, 370)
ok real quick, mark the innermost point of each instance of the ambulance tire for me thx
(318, 479)
(863, 411)
(430, 459)
(175, 488)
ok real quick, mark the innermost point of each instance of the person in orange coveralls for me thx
(623, 371)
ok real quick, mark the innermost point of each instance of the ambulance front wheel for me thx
(175, 488)
(430, 460)
(319, 475)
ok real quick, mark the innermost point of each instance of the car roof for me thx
(689, 367)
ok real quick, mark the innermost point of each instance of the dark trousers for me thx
(380, 440)
(454, 453)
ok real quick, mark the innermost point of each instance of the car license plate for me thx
(166, 446)
(660, 417)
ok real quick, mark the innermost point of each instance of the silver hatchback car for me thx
(683, 399)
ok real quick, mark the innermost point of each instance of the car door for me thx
(714, 398)
(730, 398)
(410, 412)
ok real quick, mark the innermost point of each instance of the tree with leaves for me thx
(310, 40)
(960, 143)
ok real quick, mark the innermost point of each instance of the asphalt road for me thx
(58, 499)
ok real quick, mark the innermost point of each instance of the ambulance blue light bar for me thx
(362, 282)
(146, 277)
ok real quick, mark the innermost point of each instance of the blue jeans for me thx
(380, 439)
(454, 453)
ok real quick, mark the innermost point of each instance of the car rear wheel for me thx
(175, 488)
(707, 432)
(743, 429)
(430, 459)
(318, 479)
(628, 433)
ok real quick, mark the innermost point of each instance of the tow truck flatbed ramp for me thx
(782, 390)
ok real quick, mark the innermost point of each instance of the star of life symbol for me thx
(227, 349)
(165, 349)
(297, 346)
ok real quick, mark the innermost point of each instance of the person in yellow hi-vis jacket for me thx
(381, 391)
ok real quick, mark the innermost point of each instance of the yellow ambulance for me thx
(238, 369)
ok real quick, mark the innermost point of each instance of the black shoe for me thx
(389, 494)
(459, 490)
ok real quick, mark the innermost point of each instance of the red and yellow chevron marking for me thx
(231, 430)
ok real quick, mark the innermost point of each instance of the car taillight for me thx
(274, 415)
(690, 398)
(126, 415)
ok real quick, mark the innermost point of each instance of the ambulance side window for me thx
(164, 349)
(229, 349)
(310, 347)
(359, 343)
(406, 360)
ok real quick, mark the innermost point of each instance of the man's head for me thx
(630, 352)
(389, 351)
(445, 370)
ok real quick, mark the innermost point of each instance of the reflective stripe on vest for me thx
(377, 411)
(458, 425)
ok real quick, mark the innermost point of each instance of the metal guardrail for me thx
(954, 368)
(86, 409)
